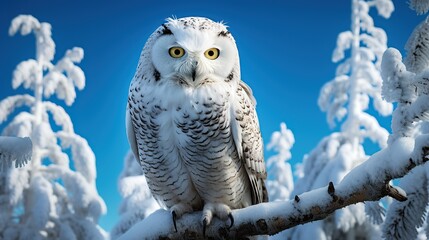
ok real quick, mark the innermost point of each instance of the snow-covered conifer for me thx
(137, 202)
(420, 6)
(406, 82)
(346, 99)
(280, 183)
(50, 197)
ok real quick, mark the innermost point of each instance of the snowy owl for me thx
(192, 123)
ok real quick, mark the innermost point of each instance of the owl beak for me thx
(194, 70)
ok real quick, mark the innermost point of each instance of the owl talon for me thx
(204, 227)
(173, 213)
(231, 219)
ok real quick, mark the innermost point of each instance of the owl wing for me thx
(248, 141)
(131, 135)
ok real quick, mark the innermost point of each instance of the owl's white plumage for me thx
(192, 123)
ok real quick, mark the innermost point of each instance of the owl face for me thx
(194, 51)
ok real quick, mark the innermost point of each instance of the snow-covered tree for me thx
(407, 83)
(346, 99)
(138, 202)
(280, 183)
(51, 197)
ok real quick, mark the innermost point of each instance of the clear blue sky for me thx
(285, 50)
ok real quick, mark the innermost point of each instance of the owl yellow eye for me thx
(176, 52)
(212, 53)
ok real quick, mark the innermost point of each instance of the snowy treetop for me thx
(280, 183)
(62, 78)
(45, 46)
(46, 199)
(358, 76)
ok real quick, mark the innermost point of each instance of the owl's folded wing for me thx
(131, 135)
(248, 140)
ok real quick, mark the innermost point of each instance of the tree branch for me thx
(367, 182)
(14, 149)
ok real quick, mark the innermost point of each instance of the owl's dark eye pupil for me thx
(210, 53)
(177, 51)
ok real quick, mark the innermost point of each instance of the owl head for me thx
(190, 51)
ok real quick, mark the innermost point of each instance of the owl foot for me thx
(178, 210)
(222, 211)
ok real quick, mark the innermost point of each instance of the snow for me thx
(152, 226)
(413, 210)
(420, 6)
(26, 74)
(60, 116)
(375, 211)
(46, 200)
(405, 83)
(8, 105)
(65, 76)
(280, 183)
(345, 99)
(344, 42)
(417, 48)
(391, 158)
(14, 149)
(45, 46)
(40, 195)
(384, 7)
(395, 77)
(137, 203)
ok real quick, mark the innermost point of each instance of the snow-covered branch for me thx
(14, 149)
(420, 6)
(367, 182)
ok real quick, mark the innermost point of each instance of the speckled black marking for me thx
(156, 75)
(166, 30)
(223, 34)
(230, 77)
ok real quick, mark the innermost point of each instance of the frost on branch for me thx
(417, 48)
(280, 183)
(406, 83)
(138, 202)
(413, 210)
(54, 196)
(420, 6)
(14, 149)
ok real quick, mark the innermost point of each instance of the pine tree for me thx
(346, 99)
(406, 82)
(50, 197)
(280, 184)
(137, 202)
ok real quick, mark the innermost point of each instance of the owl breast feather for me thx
(195, 125)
